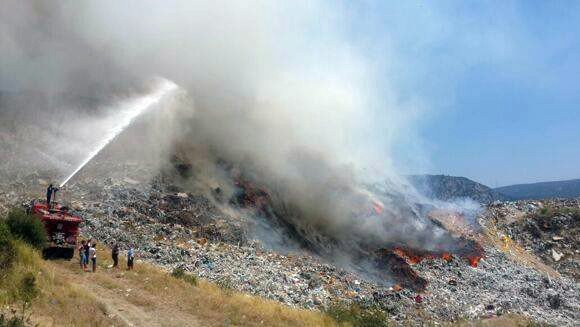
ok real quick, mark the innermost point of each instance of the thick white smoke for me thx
(280, 74)
(278, 88)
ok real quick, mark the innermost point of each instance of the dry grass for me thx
(69, 296)
(59, 300)
(509, 320)
(210, 303)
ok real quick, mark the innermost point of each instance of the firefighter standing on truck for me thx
(50, 195)
(49, 192)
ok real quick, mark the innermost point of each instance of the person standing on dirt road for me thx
(93, 256)
(115, 255)
(87, 247)
(82, 257)
(130, 258)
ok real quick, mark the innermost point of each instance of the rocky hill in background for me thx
(544, 190)
(445, 187)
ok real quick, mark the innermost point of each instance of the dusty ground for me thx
(149, 296)
(124, 299)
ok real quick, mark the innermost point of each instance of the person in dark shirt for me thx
(82, 257)
(50, 195)
(115, 255)
(87, 247)
(49, 191)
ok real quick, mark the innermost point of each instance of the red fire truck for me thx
(62, 229)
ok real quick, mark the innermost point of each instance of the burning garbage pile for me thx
(176, 227)
(389, 259)
(173, 227)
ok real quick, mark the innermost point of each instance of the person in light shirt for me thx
(82, 257)
(130, 258)
(93, 255)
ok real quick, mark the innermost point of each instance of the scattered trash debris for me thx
(418, 299)
(172, 228)
(556, 255)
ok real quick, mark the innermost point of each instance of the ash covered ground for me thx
(172, 227)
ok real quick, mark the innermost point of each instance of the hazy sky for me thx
(488, 90)
(499, 81)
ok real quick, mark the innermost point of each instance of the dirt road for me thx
(126, 297)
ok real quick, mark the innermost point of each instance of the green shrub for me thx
(13, 321)
(25, 293)
(549, 212)
(5, 235)
(545, 211)
(357, 315)
(28, 290)
(27, 227)
(179, 273)
(191, 279)
(7, 250)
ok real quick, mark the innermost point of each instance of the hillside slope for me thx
(150, 296)
(445, 187)
(146, 296)
(543, 190)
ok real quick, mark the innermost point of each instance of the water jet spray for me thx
(129, 112)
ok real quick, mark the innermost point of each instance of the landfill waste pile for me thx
(263, 151)
(172, 228)
(550, 229)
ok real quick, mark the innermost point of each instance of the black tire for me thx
(69, 253)
(47, 253)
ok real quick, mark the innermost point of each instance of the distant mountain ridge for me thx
(445, 187)
(542, 190)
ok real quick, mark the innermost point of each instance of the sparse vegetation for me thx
(27, 291)
(549, 212)
(225, 284)
(34, 291)
(27, 228)
(553, 220)
(13, 321)
(179, 273)
(546, 212)
(357, 315)
(18, 284)
(574, 212)
(508, 320)
(7, 251)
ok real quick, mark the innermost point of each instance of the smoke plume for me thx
(278, 88)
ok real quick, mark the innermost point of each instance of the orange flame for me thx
(413, 257)
(408, 255)
(473, 261)
(396, 288)
(447, 256)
